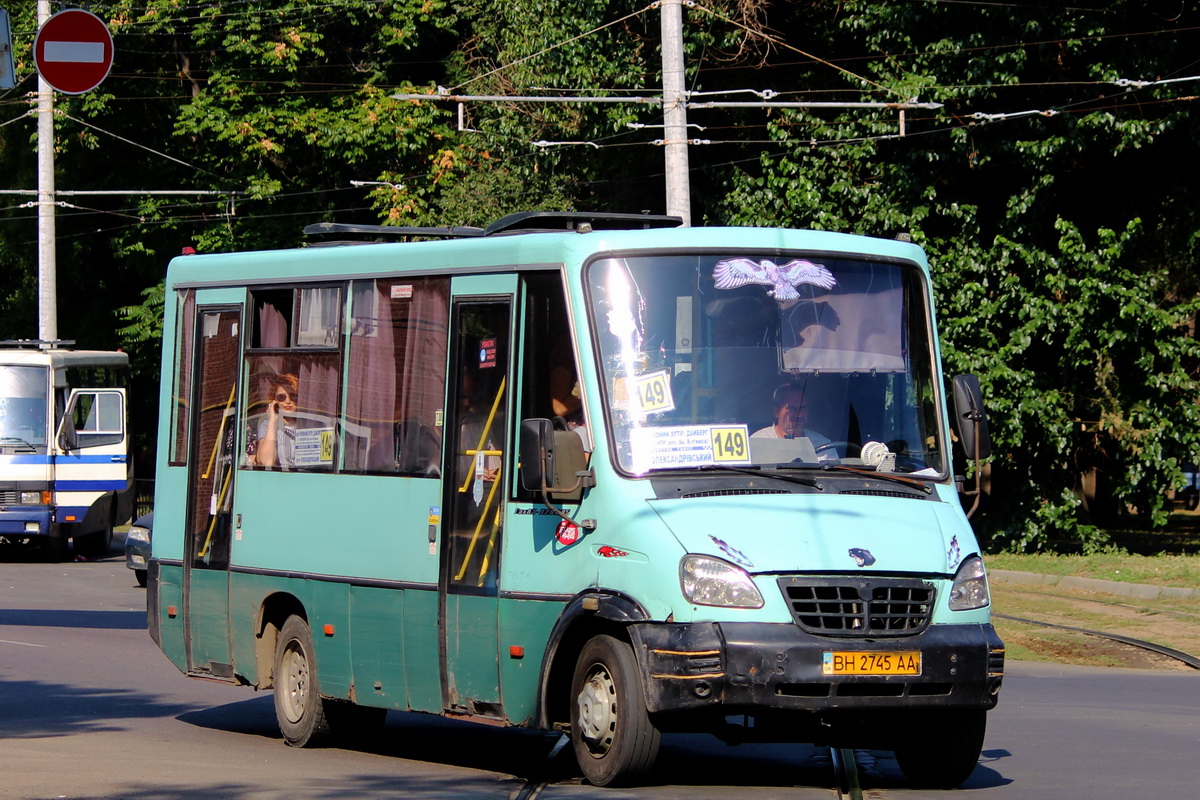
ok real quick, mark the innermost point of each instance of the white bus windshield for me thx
(745, 360)
(23, 404)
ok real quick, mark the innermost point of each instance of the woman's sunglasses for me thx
(283, 397)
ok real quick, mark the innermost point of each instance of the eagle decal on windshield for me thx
(730, 273)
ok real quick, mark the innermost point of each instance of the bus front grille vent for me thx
(884, 493)
(730, 492)
(9, 498)
(858, 606)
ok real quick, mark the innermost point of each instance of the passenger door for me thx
(477, 455)
(210, 491)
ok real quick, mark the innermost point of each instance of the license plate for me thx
(859, 662)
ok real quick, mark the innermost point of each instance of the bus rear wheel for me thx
(614, 739)
(298, 705)
(943, 749)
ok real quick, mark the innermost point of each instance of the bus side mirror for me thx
(68, 439)
(970, 420)
(553, 461)
(537, 453)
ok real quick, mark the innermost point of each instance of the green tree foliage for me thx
(1053, 190)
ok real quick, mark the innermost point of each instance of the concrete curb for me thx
(1139, 590)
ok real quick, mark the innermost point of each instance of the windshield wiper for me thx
(759, 473)
(18, 440)
(886, 476)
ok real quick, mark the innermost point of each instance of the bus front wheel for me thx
(942, 749)
(614, 739)
(298, 705)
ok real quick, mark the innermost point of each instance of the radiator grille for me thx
(859, 607)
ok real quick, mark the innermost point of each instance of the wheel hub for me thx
(296, 681)
(598, 710)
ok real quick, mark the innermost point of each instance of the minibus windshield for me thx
(23, 403)
(756, 361)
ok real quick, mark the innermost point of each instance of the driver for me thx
(790, 409)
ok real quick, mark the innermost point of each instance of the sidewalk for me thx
(1139, 590)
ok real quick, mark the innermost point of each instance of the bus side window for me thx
(96, 417)
(396, 376)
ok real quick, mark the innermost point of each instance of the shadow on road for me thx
(685, 759)
(73, 618)
(32, 709)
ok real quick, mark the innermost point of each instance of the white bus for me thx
(65, 471)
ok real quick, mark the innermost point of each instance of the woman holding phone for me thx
(276, 445)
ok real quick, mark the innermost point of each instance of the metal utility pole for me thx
(47, 286)
(675, 143)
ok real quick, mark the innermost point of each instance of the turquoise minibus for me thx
(590, 473)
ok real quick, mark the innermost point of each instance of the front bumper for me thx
(135, 560)
(752, 668)
(20, 521)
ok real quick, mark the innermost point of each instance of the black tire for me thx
(944, 748)
(614, 739)
(140, 576)
(95, 544)
(298, 705)
(55, 549)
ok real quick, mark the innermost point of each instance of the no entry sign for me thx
(73, 51)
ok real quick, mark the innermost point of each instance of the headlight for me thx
(35, 498)
(970, 589)
(138, 534)
(709, 581)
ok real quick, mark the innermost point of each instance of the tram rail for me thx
(1178, 655)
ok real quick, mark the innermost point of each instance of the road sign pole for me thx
(73, 51)
(47, 277)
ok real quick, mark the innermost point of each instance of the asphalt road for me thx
(90, 709)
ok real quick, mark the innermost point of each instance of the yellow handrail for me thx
(483, 435)
(220, 432)
(479, 528)
(212, 523)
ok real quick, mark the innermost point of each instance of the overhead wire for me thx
(780, 43)
(86, 124)
(553, 47)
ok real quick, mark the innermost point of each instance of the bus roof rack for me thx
(391, 231)
(42, 344)
(521, 222)
(581, 221)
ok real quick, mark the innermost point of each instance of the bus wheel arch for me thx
(273, 613)
(562, 655)
(587, 614)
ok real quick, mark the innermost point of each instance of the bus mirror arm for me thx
(584, 479)
(586, 524)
